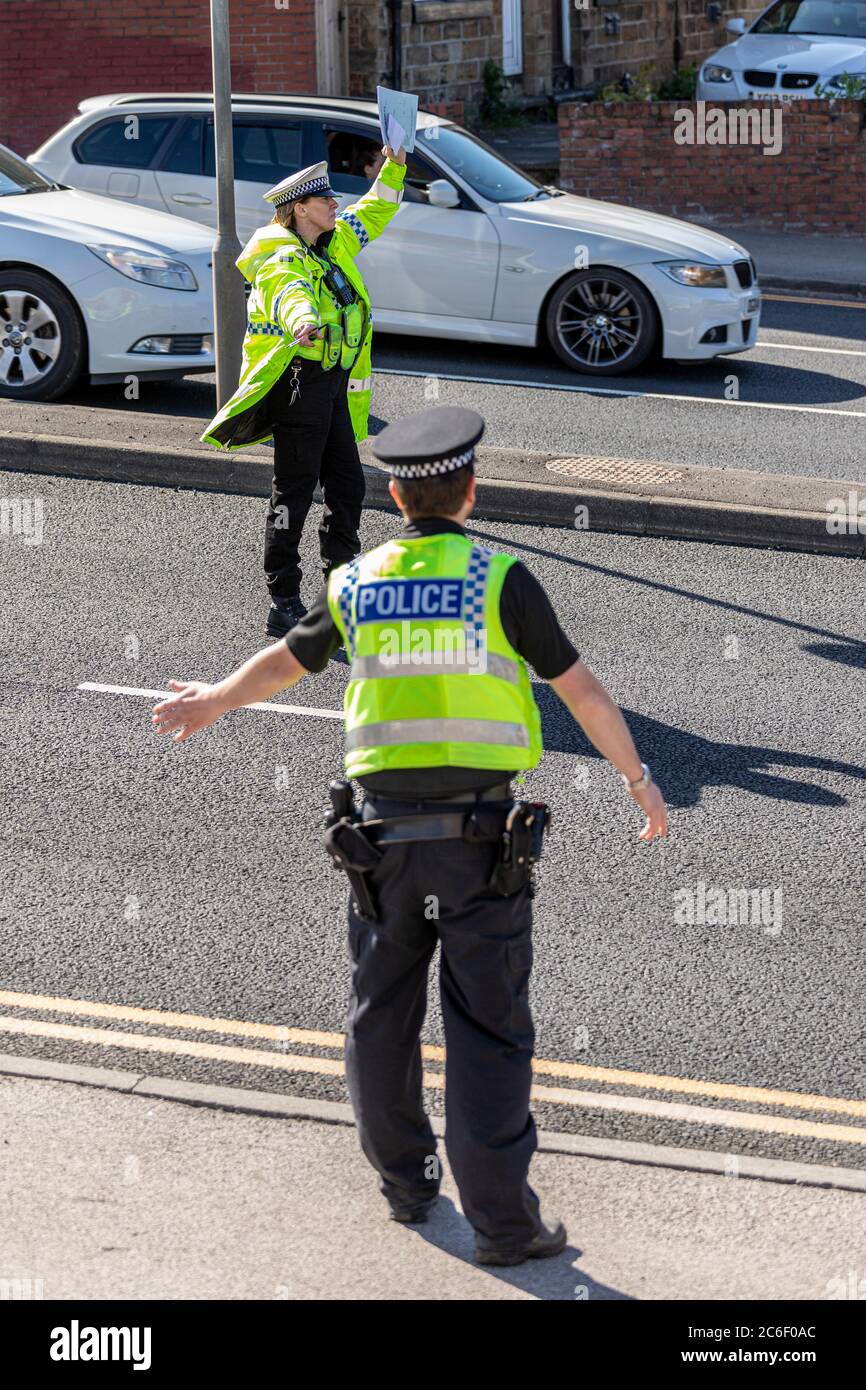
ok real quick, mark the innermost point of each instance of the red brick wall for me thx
(626, 153)
(52, 55)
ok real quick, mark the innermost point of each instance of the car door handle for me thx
(191, 200)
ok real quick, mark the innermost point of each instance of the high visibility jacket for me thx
(288, 290)
(434, 681)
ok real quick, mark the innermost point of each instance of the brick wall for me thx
(444, 50)
(53, 55)
(442, 53)
(662, 34)
(627, 153)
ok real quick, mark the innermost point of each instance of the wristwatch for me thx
(642, 781)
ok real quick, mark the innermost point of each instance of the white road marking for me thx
(312, 711)
(803, 299)
(801, 347)
(617, 391)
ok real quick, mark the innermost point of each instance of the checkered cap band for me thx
(311, 188)
(428, 470)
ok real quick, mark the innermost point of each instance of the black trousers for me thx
(313, 443)
(438, 891)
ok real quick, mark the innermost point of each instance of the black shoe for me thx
(416, 1215)
(341, 656)
(544, 1243)
(283, 615)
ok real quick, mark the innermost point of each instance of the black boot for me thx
(283, 615)
(544, 1243)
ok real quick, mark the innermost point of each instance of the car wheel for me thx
(601, 322)
(41, 338)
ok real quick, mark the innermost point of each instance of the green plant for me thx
(682, 86)
(646, 86)
(494, 109)
(631, 88)
(845, 87)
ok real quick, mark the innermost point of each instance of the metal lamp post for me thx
(230, 314)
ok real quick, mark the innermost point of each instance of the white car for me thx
(796, 48)
(92, 285)
(479, 251)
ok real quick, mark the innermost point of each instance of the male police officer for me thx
(439, 716)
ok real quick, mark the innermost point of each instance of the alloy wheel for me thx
(30, 338)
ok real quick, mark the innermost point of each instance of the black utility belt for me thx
(356, 846)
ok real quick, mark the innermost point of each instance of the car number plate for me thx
(752, 305)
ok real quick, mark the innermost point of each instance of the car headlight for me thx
(710, 277)
(713, 73)
(146, 267)
(845, 81)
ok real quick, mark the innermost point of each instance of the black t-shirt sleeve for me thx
(531, 625)
(316, 637)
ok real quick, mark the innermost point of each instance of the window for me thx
(184, 154)
(127, 142)
(263, 153)
(827, 17)
(354, 160)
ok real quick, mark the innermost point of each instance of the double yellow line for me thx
(287, 1061)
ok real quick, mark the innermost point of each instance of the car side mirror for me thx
(442, 194)
(736, 26)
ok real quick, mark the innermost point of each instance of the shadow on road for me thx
(771, 381)
(690, 762)
(553, 1280)
(850, 651)
(686, 763)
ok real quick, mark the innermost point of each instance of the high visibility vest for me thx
(434, 681)
(287, 290)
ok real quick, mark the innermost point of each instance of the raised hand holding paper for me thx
(402, 108)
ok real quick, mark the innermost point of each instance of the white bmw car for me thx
(479, 251)
(795, 49)
(92, 286)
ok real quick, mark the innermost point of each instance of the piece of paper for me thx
(403, 108)
(396, 134)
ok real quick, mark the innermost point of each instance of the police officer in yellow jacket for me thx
(307, 373)
(439, 717)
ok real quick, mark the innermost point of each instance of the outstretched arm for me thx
(196, 705)
(602, 722)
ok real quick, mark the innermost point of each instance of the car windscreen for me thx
(844, 19)
(485, 171)
(17, 177)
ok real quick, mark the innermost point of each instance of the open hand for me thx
(193, 708)
(652, 803)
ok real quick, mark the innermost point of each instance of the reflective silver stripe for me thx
(438, 731)
(364, 383)
(448, 664)
(382, 190)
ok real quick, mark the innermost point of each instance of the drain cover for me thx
(615, 470)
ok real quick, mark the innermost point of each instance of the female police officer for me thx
(306, 373)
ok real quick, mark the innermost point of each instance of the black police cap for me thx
(433, 441)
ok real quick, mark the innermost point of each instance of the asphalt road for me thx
(191, 878)
(794, 404)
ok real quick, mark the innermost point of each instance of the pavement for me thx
(127, 1195)
(635, 497)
